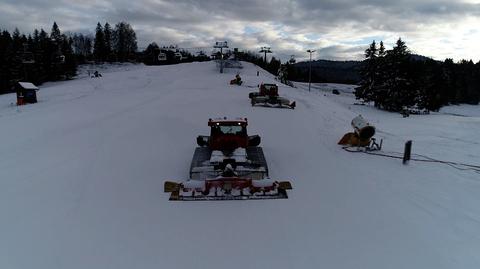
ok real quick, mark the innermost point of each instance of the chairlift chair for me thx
(162, 57)
(178, 56)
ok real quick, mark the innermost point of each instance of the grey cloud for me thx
(341, 52)
(190, 22)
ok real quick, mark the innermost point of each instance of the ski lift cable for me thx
(185, 48)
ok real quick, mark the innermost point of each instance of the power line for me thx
(456, 165)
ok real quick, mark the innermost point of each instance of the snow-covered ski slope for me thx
(82, 172)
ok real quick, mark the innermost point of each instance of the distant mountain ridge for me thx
(347, 72)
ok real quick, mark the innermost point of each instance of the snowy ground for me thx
(82, 172)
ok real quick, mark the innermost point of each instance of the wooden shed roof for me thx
(28, 86)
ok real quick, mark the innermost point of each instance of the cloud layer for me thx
(337, 29)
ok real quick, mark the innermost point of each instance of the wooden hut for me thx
(26, 93)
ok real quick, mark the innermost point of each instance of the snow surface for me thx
(82, 172)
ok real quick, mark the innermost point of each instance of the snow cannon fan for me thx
(362, 128)
(362, 135)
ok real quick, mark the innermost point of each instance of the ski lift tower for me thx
(221, 45)
(310, 69)
(265, 50)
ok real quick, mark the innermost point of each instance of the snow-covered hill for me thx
(82, 172)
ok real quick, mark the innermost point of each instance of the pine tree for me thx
(88, 47)
(124, 41)
(99, 45)
(15, 57)
(150, 55)
(388, 79)
(43, 36)
(108, 42)
(398, 84)
(430, 85)
(6, 54)
(381, 88)
(368, 86)
(69, 64)
(42, 59)
(273, 65)
(55, 34)
(82, 47)
(381, 50)
(16, 40)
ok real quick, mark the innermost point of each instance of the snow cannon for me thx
(362, 135)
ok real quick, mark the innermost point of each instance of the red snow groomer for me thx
(267, 95)
(228, 165)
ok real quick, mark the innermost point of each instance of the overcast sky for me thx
(337, 29)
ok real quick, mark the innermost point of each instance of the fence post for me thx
(407, 152)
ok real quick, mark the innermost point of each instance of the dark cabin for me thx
(26, 93)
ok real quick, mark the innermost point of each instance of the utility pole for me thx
(310, 69)
(220, 45)
(265, 50)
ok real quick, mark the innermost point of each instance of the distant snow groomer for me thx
(237, 80)
(228, 165)
(267, 95)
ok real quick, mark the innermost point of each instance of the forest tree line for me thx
(42, 56)
(394, 80)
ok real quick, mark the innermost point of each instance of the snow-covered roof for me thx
(28, 86)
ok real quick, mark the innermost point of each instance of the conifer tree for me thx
(151, 54)
(381, 50)
(108, 42)
(399, 92)
(99, 45)
(381, 89)
(69, 65)
(367, 88)
(6, 55)
(124, 41)
(55, 34)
